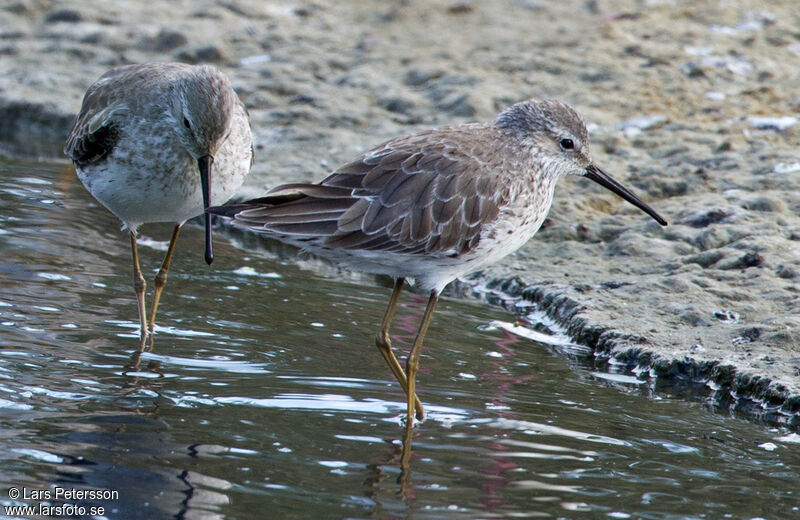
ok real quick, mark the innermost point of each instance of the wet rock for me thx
(715, 237)
(726, 316)
(416, 77)
(599, 76)
(450, 94)
(747, 336)
(693, 70)
(165, 40)
(201, 54)
(674, 284)
(626, 244)
(63, 14)
(255, 60)
(396, 104)
(751, 259)
(454, 103)
(664, 188)
(786, 167)
(611, 285)
(461, 8)
(764, 203)
(305, 11)
(693, 318)
(725, 146)
(709, 216)
(706, 258)
(635, 126)
(533, 5)
(669, 151)
(19, 7)
(778, 124)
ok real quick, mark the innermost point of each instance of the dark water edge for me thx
(719, 386)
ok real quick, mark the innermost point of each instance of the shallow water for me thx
(265, 395)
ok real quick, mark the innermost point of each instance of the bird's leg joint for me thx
(161, 278)
(138, 282)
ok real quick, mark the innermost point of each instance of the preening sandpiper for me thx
(434, 206)
(161, 142)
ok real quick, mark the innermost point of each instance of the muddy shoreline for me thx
(694, 106)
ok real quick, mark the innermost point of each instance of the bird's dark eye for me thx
(567, 144)
(186, 124)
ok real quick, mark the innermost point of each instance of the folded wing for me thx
(412, 195)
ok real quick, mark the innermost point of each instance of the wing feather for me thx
(93, 147)
(428, 193)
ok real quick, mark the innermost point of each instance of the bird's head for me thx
(559, 144)
(203, 108)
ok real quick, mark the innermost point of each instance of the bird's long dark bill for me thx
(606, 181)
(204, 163)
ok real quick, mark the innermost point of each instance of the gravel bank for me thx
(694, 105)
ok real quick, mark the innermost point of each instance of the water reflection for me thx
(265, 392)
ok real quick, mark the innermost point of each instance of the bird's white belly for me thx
(140, 187)
(516, 224)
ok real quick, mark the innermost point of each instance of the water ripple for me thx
(235, 367)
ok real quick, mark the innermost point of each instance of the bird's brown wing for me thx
(427, 193)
